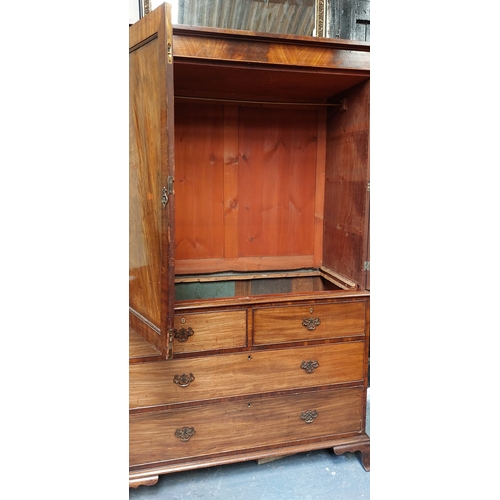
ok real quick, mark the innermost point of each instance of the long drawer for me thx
(245, 424)
(251, 372)
(274, 325)
(207, 331)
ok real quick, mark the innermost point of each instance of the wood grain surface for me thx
(212, 330)
(285, 324)
(244, 425)
(238, 374)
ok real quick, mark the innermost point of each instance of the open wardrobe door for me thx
(151, 143)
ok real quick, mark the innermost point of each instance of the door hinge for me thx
(169, 53)
(366, 266)
(170, 335)
(170, 343)
(166, 191)
(368, 186)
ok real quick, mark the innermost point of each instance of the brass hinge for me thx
(169, 53)
(166, 191)
(170, 343)
(368, 186)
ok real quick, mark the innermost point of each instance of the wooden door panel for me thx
(151, 265)
(345, 248)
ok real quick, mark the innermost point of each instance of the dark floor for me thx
(312, 475)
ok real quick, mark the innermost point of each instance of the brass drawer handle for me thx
(311, 323)
(309, 366)
(183, 334)
(185, 434)
(183, 380)
(308, 416)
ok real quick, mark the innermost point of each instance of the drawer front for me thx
(229, 426)
(308, 322)
(195, 332)
(252, 372)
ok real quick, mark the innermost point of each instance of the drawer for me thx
(209, 331)
(229, 426)
(251, 372)
(297, 323)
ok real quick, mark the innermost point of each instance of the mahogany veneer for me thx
(249, 198)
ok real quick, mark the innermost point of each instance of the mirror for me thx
(344, 19)
(293, 17)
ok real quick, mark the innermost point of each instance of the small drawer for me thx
(196, 332)
(300, 323)
(170, 435)
(253, 372)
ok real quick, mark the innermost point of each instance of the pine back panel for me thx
(247, 186)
